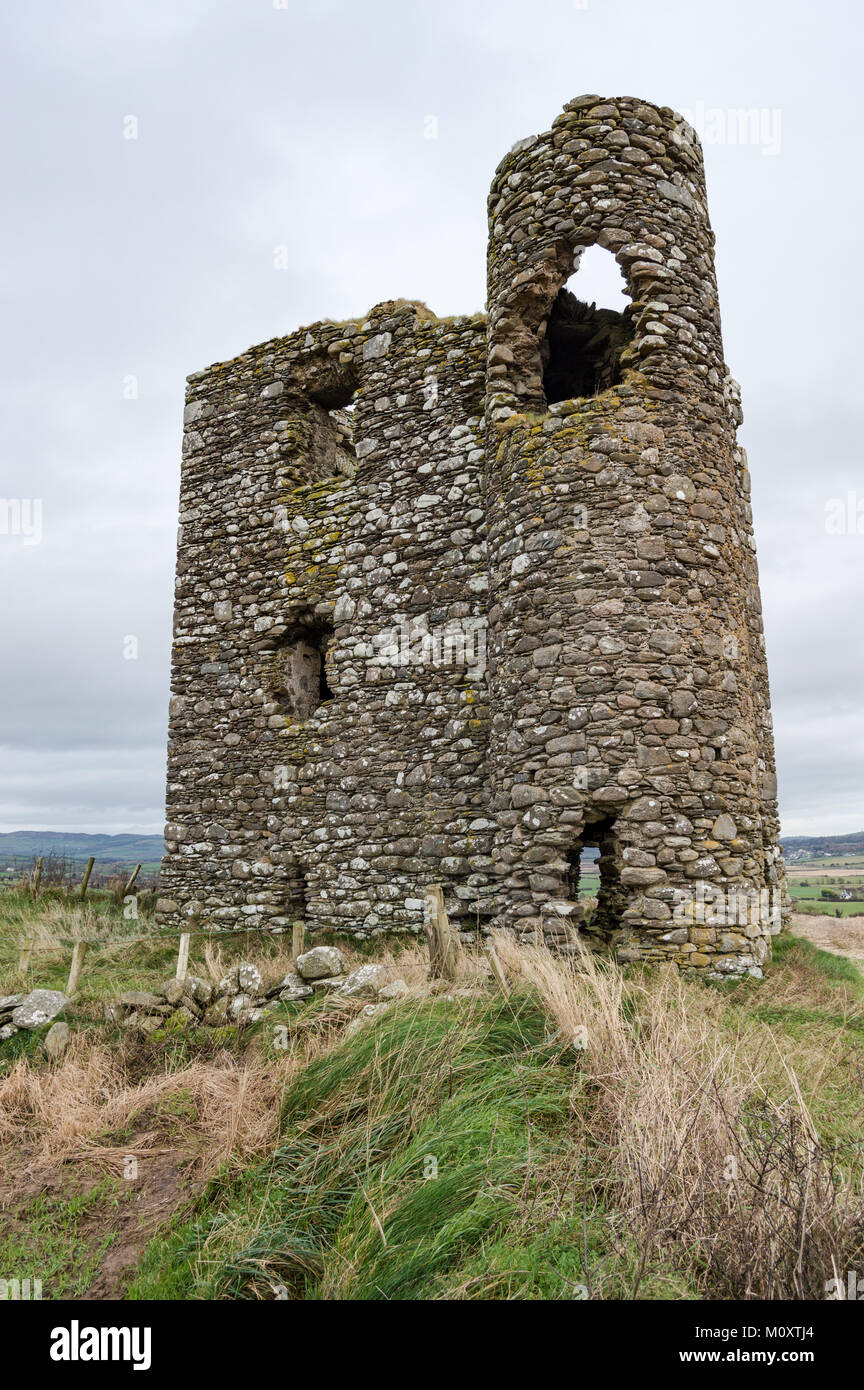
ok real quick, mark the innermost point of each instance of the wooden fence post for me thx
(497, 969)
(298, 937)
(26, 952)
(443, 944)
(79, 951)
(131, 884)
(87, 872)
(183, 955)
(37, 878)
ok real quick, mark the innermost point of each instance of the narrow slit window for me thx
(297, 896)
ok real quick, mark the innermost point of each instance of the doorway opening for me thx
(611, 899)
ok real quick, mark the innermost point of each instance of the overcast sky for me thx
(306, 125)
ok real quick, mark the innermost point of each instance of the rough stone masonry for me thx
(457, 598)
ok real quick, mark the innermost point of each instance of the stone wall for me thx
(365, 700)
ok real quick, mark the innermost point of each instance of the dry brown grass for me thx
(59, 923)
(216, 957)
(713, 1157)
(222, 1110)
(411, 964)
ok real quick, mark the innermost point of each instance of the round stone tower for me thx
(628, 686)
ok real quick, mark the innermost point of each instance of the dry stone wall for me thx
(367, 699)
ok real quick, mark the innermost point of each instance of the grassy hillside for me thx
(65, 854)
(802, 847)
(597, 1133)
(464, 1148)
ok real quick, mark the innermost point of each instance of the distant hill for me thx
(17, 846)
(820, 846)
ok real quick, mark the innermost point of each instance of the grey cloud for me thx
(304, 127)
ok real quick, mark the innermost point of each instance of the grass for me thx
(823, 907)
(573, 1140)
(47, 1240)
(807, 895)
(411, 1165)
(123, 954)
(465, 1149)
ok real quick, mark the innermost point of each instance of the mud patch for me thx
(115, 1217)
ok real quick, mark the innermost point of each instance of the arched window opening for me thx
(300, 670)
(582, 346)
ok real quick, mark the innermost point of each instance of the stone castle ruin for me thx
(457, 598)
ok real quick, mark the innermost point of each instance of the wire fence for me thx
(106, 939)
(58, 870)
(79, 944)
(442, 940)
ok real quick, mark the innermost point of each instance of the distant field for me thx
(813, 887)
(841, 937)
(829, 862)
(829, 909)
(805, 887)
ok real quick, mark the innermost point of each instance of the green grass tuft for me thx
(412, 1165)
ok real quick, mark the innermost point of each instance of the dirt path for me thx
(157, 1195)
(843, 936)
(165, 1183)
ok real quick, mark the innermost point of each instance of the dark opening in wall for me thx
(315, 433)
(335, 391)
(611, 899)
(581, 349)
(300, 674)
